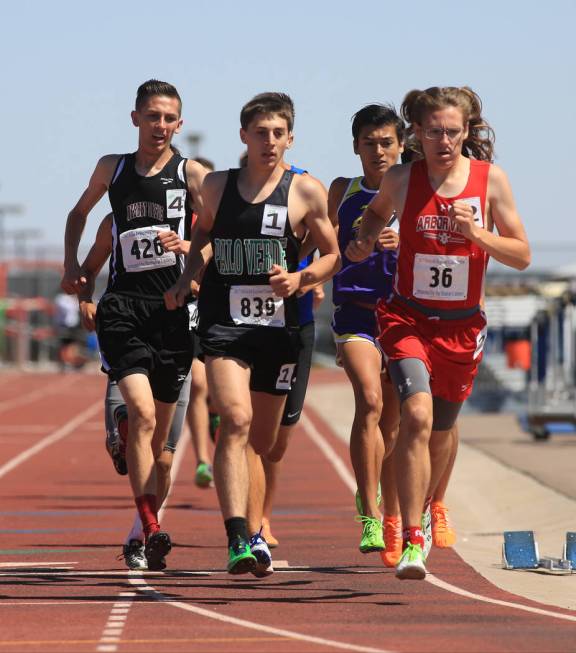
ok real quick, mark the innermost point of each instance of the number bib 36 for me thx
(142, 250)
(440, 277)
(256, 305)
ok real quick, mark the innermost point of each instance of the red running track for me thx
(65, 512)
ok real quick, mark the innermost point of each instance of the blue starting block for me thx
(520, 550)
(570, 549)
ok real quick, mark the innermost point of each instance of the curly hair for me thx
(480, 141)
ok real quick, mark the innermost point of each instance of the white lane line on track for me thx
(50, 388)
(326, 448)
(60, 433)
(110, 638)
(507, 604)
(112, 633)
(350, 481)
(141, 585)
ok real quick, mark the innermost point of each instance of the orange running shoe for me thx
(443, 535)
(392, 540)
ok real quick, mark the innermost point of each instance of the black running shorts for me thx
(138, 335)
(271, 353)
(297, 394)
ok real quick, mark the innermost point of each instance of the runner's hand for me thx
(463, 214)
(317, 296)
(170, 241)
(388, 239)
(283, 283)
(73, 279)
(178, 294)
(358, 250)
(87, 314)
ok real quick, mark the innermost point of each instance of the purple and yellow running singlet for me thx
(368, 280)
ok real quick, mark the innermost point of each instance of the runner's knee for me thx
(236, 420)
(369, 401)
(164, 463)
(417, 418)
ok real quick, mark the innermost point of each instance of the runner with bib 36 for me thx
(432, 330)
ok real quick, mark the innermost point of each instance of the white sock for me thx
(137, 530)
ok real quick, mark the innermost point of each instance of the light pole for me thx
(194, 140)
(7, 209)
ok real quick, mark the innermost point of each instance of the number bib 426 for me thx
(256, 305)
(440, 277)
(142, 250)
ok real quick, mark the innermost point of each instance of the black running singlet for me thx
(247, 239)
(142, 206)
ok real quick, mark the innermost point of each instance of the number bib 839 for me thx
(256, 305)
(142, 250)
(440, 277)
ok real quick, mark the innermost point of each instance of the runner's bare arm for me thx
(510, 245)
(97, 256)
(322, 232)
(97, 186)
(195, 173)
(377, 214)
(101, 248)
(335, 195)
(200, 248)
(308, 244)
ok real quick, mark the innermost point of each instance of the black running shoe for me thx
(157, 546)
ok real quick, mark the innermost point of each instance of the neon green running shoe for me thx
(372, 534)
(360, 507)
(204, 476)
(411, 565)
(240, 558)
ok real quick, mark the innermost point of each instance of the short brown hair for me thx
(268, 103)
(155, 87)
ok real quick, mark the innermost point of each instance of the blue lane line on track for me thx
(53, 513)
(55, 530)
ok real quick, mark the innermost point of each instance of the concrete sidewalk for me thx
(503, 480)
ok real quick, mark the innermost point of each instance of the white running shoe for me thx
(411, 565)
(259, 549)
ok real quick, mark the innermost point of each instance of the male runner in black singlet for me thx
(145, 348)
(255, 219)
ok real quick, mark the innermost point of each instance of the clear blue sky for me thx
(70, 72)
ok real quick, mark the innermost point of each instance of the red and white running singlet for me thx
(438, 266)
